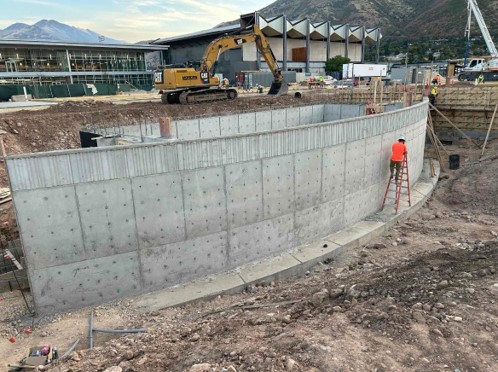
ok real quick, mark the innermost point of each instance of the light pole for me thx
(406, 68)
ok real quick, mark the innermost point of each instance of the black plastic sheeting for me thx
(64, 90)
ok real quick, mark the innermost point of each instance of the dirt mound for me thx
(472, 188)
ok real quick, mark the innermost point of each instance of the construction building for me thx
(54, 63)
(298, 45)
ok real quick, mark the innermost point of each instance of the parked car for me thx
(329, 80)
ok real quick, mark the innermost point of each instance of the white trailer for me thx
(360, 70)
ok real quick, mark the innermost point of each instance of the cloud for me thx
(134, 20)
(217, 12)
(39, 2)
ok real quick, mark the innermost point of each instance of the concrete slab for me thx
(209, 127)
(312, 254)
(86, 283)
(332, 112)
(305, 115)
(278, 119)
(261, 239)
(333, 172)
(51, 171)
(244, 189)
(247, 123)
(229, 125)
(277, 267)
(263, 121)
(196, 290)
(149, 160)
(17, 105)
(293, 117)
(107, 217)
(158, 209)
(90, 166)
(373, 228)
(318, 114)
(170, 264)
(278, 186)
(308, 179)
(373, 159)
(355, 172)
(204, 202)
(350, 236)
(50, 226)
(188, 129)
(320, 220)
(422, 187)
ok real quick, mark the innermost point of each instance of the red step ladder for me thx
(402, 184)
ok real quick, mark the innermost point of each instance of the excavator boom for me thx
(186, 85)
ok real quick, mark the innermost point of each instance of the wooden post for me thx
(165, 127)
(375, 92)
(2, 146)
(487, 134)
(453, 125)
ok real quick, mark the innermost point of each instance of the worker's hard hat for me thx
(401, 138)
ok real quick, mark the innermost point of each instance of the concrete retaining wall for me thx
(98, 224)
(469, 108)
(227, 125)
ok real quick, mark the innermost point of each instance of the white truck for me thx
(487, 66)
(361, 70)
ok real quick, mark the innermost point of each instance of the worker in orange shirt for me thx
(399, 150)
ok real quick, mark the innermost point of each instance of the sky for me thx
(129, 20)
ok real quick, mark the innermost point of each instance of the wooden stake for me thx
(435, 141)
(453, 125)
(489, 130)
(438, 141)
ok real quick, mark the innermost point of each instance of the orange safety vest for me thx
(399, 150)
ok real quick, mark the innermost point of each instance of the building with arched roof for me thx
(298, 45)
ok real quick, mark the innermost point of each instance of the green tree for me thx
(335, 64)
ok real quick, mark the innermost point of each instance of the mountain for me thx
(53, 31)
(397, 18)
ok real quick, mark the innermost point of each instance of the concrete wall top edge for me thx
(238, 135)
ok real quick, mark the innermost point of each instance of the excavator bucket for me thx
(278, 88)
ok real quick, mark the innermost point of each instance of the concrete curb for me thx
(294, 262)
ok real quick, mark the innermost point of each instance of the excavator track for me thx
(206, 95)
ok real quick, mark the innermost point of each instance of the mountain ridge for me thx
(396, 18)
(52, 30)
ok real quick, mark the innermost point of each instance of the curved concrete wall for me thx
(102, 223)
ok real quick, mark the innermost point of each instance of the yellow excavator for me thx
(189, 85)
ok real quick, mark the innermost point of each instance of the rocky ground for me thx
(423, 297)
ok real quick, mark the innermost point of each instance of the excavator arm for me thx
(188, 85)
(224, 43)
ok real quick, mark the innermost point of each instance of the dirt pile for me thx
(422, 306)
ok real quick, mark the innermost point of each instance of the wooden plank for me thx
(489, 130)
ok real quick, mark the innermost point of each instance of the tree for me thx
(335, 64)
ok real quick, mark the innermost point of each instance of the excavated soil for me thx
(422, 297)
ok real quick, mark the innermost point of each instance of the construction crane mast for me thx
(485, 66)
(474, 8)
